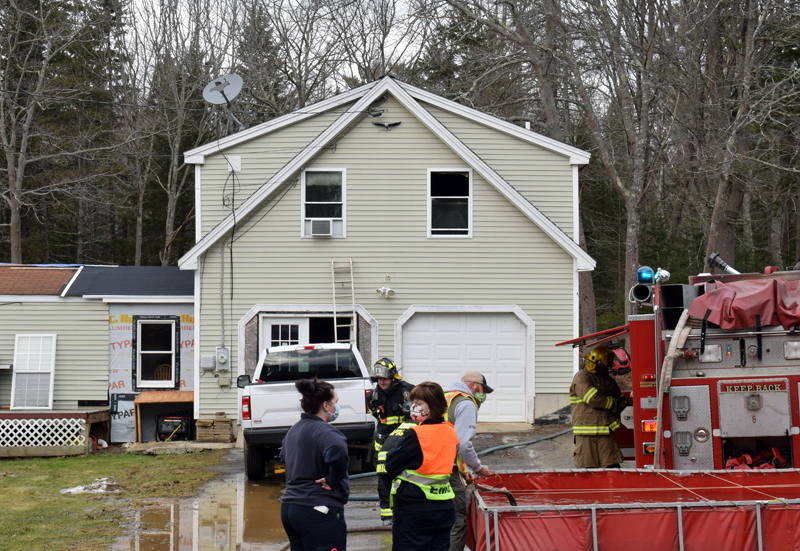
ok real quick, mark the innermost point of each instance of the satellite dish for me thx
(222, 90)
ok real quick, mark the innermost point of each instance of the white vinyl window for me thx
(449, 203)
(34, 369)
(324, 202)
(155, 353)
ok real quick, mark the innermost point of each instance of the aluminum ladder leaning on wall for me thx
(343, 288)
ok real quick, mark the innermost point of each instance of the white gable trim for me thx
(576, 156)
(312, 150)
(198, 154)
(585, 262)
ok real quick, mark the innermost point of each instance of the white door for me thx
(283, 331)
(442, 347)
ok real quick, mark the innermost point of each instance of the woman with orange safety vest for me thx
(420, 467)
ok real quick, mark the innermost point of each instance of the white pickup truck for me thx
(270, 404)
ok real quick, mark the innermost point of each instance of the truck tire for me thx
(255, 461)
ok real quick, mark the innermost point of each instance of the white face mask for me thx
(419, 413)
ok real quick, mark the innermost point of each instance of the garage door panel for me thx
(447, 325)
(510, 353)
(447, 353)
(479, 352)
(416, 352)
(482, 326)
(442, 347)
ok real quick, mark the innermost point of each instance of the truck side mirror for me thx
(242, 381)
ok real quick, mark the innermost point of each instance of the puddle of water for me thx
(231, 514)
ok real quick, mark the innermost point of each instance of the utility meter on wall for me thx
(223, 359)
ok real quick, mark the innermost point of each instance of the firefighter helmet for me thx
(384, 368)
(598, 356)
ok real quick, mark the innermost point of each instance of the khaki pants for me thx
(458, 534)
(595, 452)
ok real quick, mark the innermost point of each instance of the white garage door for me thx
(442, 347)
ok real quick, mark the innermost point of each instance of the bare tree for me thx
(35, 36)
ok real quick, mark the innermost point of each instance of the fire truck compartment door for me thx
(754, 407)
(697, 424)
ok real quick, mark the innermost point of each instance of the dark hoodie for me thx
(314, 449)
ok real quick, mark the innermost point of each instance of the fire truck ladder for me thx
(343, 288)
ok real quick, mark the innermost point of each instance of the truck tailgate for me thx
(278, 404)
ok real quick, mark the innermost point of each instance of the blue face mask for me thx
(335, 413)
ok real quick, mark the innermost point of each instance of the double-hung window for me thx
(324, 207)
(449, 203)
(34, 369)
(156, 352)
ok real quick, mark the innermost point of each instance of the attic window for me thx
(324, 208)
(449, 203)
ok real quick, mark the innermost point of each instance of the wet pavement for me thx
(233, 513)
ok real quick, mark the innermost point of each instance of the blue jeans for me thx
(311, 530)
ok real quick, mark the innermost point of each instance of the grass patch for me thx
(35, 515)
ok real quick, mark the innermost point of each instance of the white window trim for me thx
(469, 204)
(303, 201)
(140, 383)
(52, 369)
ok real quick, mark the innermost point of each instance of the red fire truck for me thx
(714, 429)
(723, 353)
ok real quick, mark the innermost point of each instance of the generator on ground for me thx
(715, 371)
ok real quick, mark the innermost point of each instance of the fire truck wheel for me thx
(255, 461)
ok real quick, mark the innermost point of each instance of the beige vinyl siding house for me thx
(496, 300)
(81, 360)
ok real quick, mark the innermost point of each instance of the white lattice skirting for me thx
(16, 433)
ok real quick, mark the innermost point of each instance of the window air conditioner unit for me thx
(321, 227)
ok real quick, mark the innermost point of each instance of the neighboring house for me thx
(150, 340)
(79, 341)
(54, 356)
(461, 228)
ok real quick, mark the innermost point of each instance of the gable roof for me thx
(34, 280)
(403, 93)
(132, 281)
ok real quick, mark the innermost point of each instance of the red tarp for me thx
(735, 305)
(555, 524)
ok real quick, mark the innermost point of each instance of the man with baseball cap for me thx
(464, 398)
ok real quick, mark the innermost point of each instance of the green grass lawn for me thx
(34, 515)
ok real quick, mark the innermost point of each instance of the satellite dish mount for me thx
(221, 91)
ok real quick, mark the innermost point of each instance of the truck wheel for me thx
(367, 463)
(255, 462)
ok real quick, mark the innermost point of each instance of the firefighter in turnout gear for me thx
(596, 402)
(390, 404)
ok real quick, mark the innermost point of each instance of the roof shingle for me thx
(34, 280)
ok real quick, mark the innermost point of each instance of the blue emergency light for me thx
(645, 275)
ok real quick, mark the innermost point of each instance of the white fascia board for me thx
(576, 156)
(585, 262)
(142, 299)
(38, 298)
(312, 150)
(198, 154)
(71, 281)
